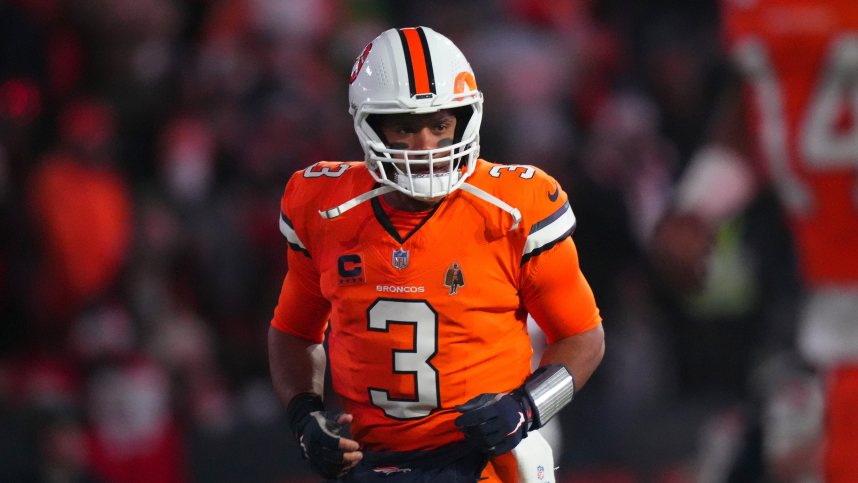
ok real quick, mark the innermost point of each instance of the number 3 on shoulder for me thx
(331, 170)
(524, 171)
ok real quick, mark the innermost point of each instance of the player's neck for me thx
(403, 202)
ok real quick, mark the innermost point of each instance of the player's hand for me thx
(328, 453)
(494, 423)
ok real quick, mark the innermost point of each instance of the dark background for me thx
(144, 147)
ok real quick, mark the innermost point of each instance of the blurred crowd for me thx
(144, 147)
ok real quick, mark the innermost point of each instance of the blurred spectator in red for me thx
(133, 435)
(132, 432)
(82, 213)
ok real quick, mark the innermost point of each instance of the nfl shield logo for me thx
(400, 259)
(540, 472)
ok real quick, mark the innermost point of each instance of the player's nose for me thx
(424, 139)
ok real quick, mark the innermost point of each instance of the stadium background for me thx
(144, 146)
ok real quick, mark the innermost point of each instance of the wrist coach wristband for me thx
(300, 406)
(548, 389)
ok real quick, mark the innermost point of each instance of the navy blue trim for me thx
(293, 246)
(382, 218)
(547, 221)
(548, 246)
(287, 220)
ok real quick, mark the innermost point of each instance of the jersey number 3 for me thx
(415, 361)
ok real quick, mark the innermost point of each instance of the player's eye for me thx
(403, 129)
(442, 126)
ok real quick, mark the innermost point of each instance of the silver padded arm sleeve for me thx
(549, 389)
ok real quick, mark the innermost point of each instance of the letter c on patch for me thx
(349, 265)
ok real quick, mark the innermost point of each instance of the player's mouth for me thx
(437, 169)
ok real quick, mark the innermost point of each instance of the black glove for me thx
(495, 423)
(318, 434)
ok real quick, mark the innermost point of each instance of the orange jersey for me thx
(423, 322)
(800, 58)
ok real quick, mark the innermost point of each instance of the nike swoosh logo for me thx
(553, 196)
(517, 426)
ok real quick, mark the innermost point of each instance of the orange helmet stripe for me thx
(421, 77)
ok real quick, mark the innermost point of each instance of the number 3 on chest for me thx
(419, 314)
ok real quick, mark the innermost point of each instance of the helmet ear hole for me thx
(463, 117)
(374, 122)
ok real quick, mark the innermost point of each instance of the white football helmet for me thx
(416, 70)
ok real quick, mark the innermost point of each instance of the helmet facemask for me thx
(422, 173)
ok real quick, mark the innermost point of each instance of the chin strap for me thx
(490, 198)
(339, 210)
(487, 197)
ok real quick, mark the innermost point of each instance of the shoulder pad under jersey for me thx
(546, 216)
(316, 188)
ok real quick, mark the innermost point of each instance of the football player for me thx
(420, 265)
(796, 63)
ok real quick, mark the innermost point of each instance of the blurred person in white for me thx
(187, 160)
(794, 107)
(425, 277)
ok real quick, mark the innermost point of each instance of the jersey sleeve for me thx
(301, 309)
(547, 219)
(553, 288)
(555, 292)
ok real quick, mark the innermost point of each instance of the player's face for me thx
(419, 132)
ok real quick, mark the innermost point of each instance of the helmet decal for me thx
(418, 61)
(464, 82)
(359, 62)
